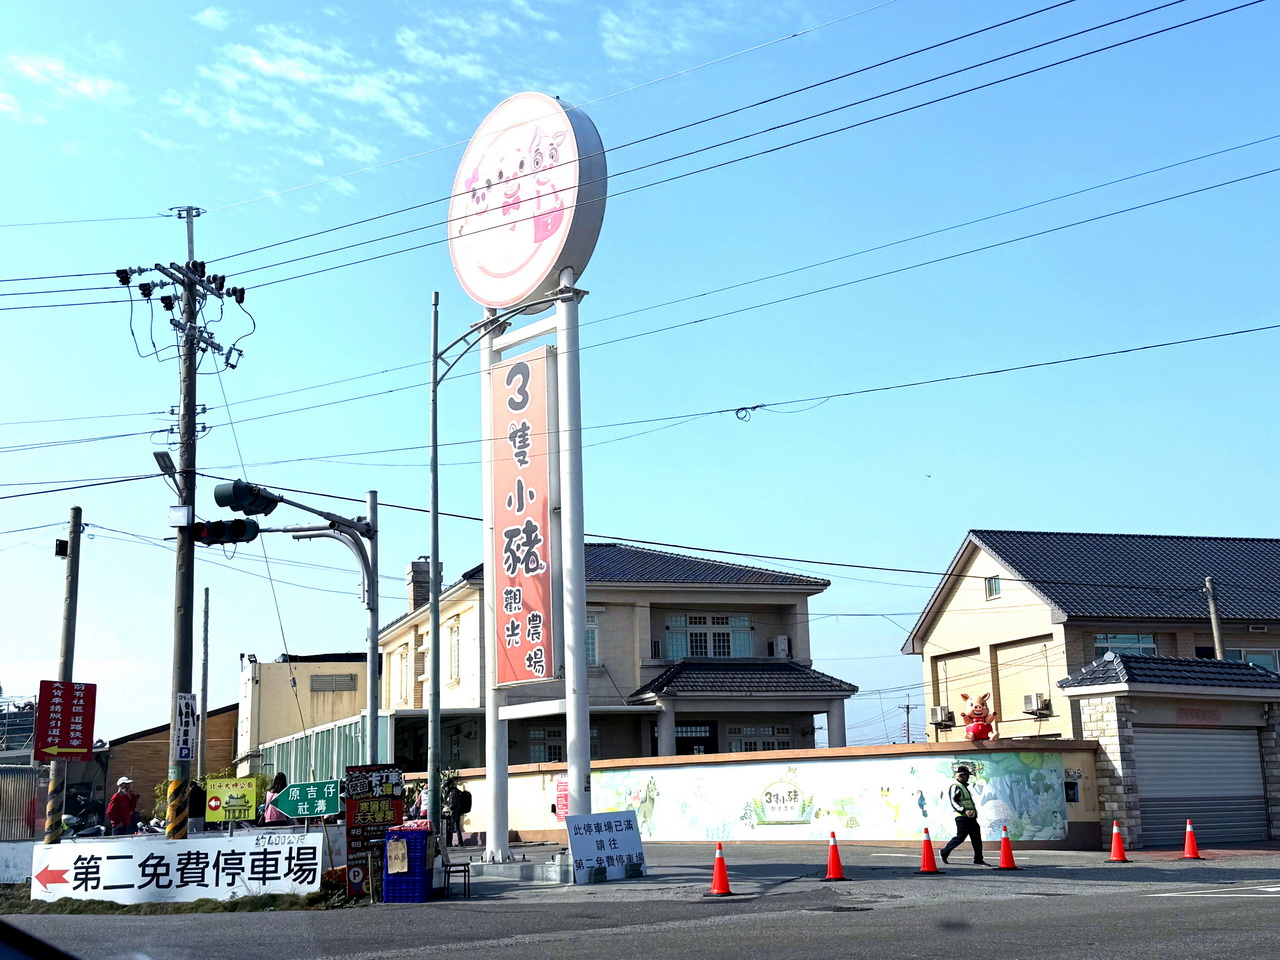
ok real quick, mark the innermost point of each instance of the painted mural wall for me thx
(891, 798)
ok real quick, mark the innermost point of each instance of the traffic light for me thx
(245, 497)
(225, 531)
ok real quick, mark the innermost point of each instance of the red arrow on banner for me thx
(49, 876)
(215, 803)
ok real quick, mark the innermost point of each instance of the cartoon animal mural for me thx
(979, 719)
(644, 801)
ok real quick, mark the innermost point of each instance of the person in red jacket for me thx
(121, 808)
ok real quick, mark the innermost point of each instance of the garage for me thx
(1212, 776)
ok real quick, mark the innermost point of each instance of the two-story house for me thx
(1109, 637)
(685, 655)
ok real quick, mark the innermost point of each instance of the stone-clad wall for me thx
(1109, 720)
(1270, 736)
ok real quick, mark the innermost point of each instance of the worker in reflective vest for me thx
(966, 817)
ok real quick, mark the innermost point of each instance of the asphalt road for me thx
(1060, 905)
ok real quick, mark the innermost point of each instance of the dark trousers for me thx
(121, 830)
(966, 827)
(452, 828)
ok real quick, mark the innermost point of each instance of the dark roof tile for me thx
(694, 677)
(1131, 668)
(1143, 576)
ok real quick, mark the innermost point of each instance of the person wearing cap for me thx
(121, 808)
(966, 817)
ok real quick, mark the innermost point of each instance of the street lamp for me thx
(473, 335)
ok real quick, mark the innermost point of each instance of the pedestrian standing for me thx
(273, 816)
(966, 817)
(121, 808)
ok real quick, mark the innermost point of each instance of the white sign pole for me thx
(574, 579)
(495, 729)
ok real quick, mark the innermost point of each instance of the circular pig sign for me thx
(528, 201)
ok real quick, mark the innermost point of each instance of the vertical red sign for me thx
(64, 721)
(521, 511)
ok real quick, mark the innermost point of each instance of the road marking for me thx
(1264, 891)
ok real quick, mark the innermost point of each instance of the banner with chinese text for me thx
(64, 721)
(143, 870)
(375, 801)
(610, 841)
(521, 508)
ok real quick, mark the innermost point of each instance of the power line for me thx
(610, 96)
(656, 136)
(760, 153)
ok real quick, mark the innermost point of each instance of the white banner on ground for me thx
(608, 840)
(137, 870)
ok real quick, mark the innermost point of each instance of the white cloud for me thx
(163, 143)
(215, 18)
(9, 104)
(69, 83)
(642, 30)
(463, 66)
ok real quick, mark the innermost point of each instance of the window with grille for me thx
(704, 635)
(455, 652)
(546, 745)
(590, 637)
(697, 730)
(1139, 643)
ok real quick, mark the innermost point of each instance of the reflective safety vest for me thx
(962, 799)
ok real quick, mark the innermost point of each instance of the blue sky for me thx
(289, 119)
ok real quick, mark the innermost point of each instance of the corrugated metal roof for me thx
(1112, 668)
(1143, 576)
(718, 677)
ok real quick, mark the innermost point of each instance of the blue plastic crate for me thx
(414, 885)
(402, 888)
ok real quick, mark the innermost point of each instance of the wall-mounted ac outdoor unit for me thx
(780, 647)
(1036, 704)
(942, 717)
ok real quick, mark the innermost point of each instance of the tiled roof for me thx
(621, 562)
(1142, 576)
(716, 677)
(1111, 668)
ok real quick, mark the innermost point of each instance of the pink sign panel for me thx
(521, 512)
(64, 721)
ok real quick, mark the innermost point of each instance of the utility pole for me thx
(1219, 650)
(194, 340)
(185, 568)
(66, 659)
(204, 693)
(907, 708)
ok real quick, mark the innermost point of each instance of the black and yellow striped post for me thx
(179, 796)
(53, 807)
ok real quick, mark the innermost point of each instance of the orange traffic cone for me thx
(1189, 850)
(1117, 844)
(720, 876)
(1006, 852)
(835, 869)
(927, 863)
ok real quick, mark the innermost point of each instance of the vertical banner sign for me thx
(375, 801)
(186, 723)
(521, 511)
(64, 721)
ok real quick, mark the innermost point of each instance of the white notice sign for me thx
(608, 840)
(186, 724)
(145, 870)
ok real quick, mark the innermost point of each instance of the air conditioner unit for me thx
(1036, 704)
(942, 717)
(780, 647)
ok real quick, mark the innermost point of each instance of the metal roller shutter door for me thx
(1211, 777)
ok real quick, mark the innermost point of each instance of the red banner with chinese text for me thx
(521, 514)
(64, 721)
